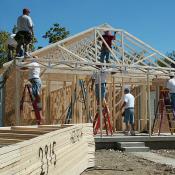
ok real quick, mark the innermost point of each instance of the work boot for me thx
(27, 55)
(133, 133)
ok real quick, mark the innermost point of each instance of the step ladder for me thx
(34, 102)
(106, 121)
(73, 101)
(164, 108)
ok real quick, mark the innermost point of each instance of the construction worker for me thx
(34, 78)
(95, 79)
(102, 74)
(128, 112)
(11, 42)
(105, 53)
(25, 32)
(171, 87)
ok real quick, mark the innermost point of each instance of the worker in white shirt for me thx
(171, 87)
(34, 79)
(11, 42)
(129, 112)
(25, 32)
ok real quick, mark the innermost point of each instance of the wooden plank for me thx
(57, 152)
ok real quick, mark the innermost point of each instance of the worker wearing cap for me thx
(33, 69)
(171, 87)
(25, 31)
(129, 111)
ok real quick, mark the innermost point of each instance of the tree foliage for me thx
(56, 33)
(171, 55)
(3, 46)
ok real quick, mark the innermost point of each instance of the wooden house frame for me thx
(135, 63)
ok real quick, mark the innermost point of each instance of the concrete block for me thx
(131, 144)
(135, 149)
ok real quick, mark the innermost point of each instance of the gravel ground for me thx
(165, 152)
(110, 162)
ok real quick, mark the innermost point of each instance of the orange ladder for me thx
(33, 101)
(164, 108)
(106, 119)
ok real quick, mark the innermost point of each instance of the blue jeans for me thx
(129, 116)
(103, 91)
(36, 86)
(105, 54)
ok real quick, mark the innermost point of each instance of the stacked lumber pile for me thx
(46, 150)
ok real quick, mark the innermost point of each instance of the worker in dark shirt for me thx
(105, 53)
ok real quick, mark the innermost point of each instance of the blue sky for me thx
(153, 21)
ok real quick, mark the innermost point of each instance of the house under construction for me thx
(67, 67)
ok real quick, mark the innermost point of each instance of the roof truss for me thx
(83, 50)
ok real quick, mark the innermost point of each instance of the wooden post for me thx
(73, 91)
(148, 103)
(122, 89)
(77, 116)
(113, 104)
(88, 104)
(17, 99)
(123, 51)
(48, 117)
(110, 97)
(100, 104)
(95, 46)
(64, 98)
(138, 110)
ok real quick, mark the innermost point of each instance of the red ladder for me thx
(164, 108)
(106, 119)
(33, 101)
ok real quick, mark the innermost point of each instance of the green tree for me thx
(171, 55)
(56, 33)
(3, 46)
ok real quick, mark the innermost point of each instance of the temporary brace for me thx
(33, 101)
(164, 107)
(106, 118)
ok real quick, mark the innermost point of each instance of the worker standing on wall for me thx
(11, 43)
(25, 32)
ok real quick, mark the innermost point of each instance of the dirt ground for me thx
(111, 162)
(165, 152)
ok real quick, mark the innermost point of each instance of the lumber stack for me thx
(46, 149)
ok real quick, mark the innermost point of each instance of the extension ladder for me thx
(106, 119)
(33, 101)
(164, 108)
